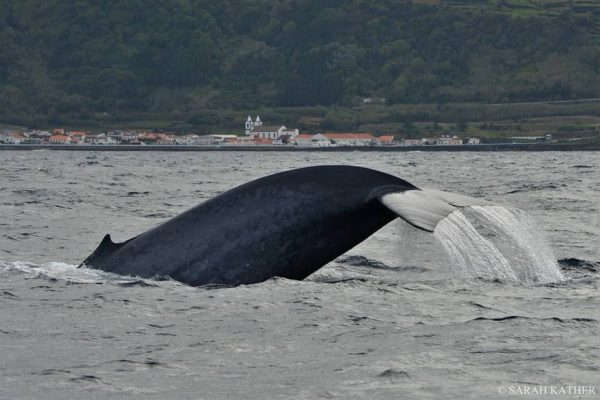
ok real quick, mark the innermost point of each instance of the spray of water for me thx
(472, 254)
(509, 247)
(532, 258)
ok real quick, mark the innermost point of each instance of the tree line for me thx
(82, 59)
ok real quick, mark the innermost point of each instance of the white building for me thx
(307, 140)
(101, 138)
(273, 132)
(411, 142)
(351, 139)
(188, 140)
(11, 138)
(257, 130)
(130, 136)
(335, 139)
(250, 125)
(444, 140)
(223, 138)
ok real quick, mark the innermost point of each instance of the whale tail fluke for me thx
(425, 208)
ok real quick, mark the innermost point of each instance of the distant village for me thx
(254, 134)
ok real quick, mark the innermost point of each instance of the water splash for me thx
(532, 258)
(506, 244)
(472, 254)
(66, 272)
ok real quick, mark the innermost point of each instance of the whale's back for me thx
(288, 224)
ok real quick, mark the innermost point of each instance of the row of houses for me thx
(255, 134)
(115, 137)
(342, 140)
(56, 136)
(444, 140)
(367, 139)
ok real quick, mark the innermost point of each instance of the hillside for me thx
(110, 62)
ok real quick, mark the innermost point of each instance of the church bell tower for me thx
(249, 126)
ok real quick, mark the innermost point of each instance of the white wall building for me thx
(211, 139)
(273, 132)
(100, 139)
(411, 142)
(188, 140)
(351, 139)
(130, 136)
(443, 140)
(11, 138)
(307, 140)
(256, 129)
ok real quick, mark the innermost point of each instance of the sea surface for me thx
(391, 319)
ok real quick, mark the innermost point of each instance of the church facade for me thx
(256, 130)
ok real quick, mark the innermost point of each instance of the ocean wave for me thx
(552, 319)
(531, 188)
(70, 273)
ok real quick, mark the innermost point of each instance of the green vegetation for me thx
(204, 65)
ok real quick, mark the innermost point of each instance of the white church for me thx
(256, 129)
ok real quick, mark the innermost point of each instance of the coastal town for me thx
(255, 133)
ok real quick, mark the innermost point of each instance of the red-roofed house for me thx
(262, 141)
(387, 140)
(59, 139)
(150, 138)
(78, 137)
(456, 141)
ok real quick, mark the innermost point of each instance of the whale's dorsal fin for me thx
(107, 244)
(105, 249)
(425, 208)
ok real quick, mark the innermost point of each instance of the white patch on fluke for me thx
(457, 200)
(426, 208)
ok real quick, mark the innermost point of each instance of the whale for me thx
(287, 225)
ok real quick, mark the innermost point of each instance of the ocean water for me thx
(390, 319)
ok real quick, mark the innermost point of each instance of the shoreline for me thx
(473, 148)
